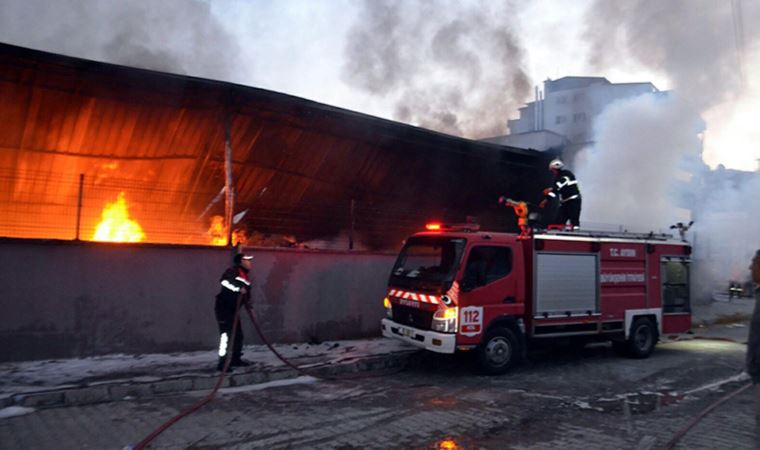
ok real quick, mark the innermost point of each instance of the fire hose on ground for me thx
(204, 401)
(198, 405)
(682, 432)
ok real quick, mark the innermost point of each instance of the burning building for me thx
(96, 151)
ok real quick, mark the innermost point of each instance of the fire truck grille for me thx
(413, 317)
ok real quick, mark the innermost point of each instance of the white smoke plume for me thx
(629, 176)
(644, 173)
(454, 67)
(178, 36)
(727, 228)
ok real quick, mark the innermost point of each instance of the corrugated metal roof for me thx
(297, 163)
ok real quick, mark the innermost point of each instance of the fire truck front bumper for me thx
(429, 340)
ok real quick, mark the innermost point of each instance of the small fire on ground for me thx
(115, 224)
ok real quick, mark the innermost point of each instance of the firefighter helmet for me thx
(556, 164)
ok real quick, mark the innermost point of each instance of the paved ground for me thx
(113, 377)
(585, 399)
(559, 399)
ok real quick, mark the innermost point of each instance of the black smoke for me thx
(449, 66)
(701, 45)
(178, 36)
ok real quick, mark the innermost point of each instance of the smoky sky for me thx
(454, 67)
(700, 45)
(178, 36)
(641, 170)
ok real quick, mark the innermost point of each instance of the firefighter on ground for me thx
(565, 190)
(235, 282)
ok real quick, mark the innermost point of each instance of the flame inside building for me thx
(217, 233)
(115, 224)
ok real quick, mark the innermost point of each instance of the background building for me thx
(562, 116)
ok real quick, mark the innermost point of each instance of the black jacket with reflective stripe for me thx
(565, 186)
(232, 281)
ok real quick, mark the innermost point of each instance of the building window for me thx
(579, 117)
(578, 96)
(561, 100)
(559, 119)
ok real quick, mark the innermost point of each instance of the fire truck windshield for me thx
(427, 262)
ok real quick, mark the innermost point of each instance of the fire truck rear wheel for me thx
(643, 338)
(500, 351)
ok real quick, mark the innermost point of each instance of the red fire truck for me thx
(460, 289)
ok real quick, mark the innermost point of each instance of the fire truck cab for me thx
(497, 293)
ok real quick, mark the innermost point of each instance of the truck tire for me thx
(501, 350)
(642, 339)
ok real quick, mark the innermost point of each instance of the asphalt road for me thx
(588, 398)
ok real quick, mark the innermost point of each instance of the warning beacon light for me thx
(470, 226)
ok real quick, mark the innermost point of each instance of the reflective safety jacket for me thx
(233, 280)
(565, 187)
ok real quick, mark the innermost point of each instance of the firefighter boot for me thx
(239, 362)
(220, 365)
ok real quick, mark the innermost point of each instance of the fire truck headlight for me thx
(388, 308)
(445, 320)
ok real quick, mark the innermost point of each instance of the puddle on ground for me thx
(637, 403)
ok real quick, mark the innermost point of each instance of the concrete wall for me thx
(63, 299)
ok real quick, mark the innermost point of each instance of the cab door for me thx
(488, 285)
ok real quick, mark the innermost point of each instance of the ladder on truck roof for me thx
(608, 234)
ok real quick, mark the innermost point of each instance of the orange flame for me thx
(217, 233)
(448, 444)
(115, 224)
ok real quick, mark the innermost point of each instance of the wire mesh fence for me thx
(72, 206)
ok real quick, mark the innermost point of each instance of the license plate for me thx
(407, 332)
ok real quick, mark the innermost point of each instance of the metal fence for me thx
(72, 206)
(47, 205)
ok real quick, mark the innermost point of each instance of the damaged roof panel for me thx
(297, 164)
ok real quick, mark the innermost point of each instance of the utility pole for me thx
(79, 204)
(229, 200)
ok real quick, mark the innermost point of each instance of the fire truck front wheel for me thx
(500, 351)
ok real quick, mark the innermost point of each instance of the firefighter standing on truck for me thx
(566, 191)
(235, 282)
